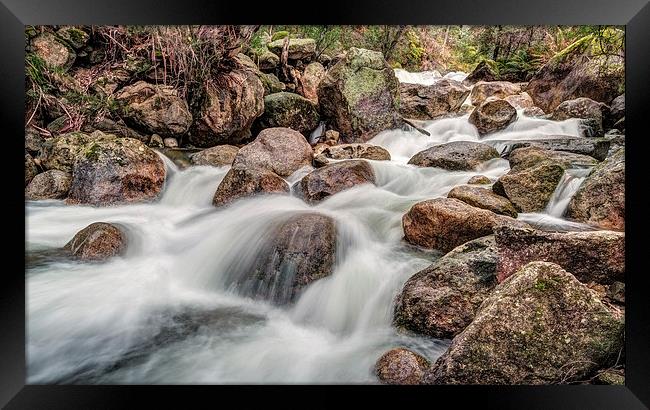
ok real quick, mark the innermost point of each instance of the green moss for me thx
(92, 152)
(279, 35)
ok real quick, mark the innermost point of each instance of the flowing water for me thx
(167, 312)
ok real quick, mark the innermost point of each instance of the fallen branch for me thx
(421, 130)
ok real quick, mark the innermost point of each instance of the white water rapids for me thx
(165, 313)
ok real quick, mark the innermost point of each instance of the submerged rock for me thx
(427, 102)
(455, 156)
(302, 250)
(280, 150)
(360, 95)
(217, 156)
(440, 300)
(492, 116)
(600, 200)
(400, 366)
(539, 326)
(597, 256)
(484, 199)
(53, 184)
(333, 178)
(98, 241)
(444, 223)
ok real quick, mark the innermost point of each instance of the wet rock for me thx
(540, 326)
(455, 156)
(155, 108)
(590, 111)
(51, 184)
(302, 250)
(523, 101)
(427, 102)
(479, 180)
(499, 89)
(229, 110)
(597, 256)
(534, 112)
(280, 150)
(360, 95)
(492, 116)
(527, 157)
(156, 141)
(440, 300)
(530, 189)
(484, 199)
(53, 51)
(333, 178)
(353, 151)
(289, 110)
(400, 366)
(444, 223)
(30, 168)
(242, 181)
(170, 142)
(577, 71)
(594, 147)
(109, 170)
(616, 111)
(299, 48)
(217, 156)
(600, 200)
(98, 241)
(309, 81)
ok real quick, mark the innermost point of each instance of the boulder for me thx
(34, 141)
(482, 72)
(289, 110)
(115, 127)
(600, 200)
(30, 168)
(499, 89)
(530, 189)
(479, 180)
(170, 143)
(455, 156)
(98, 241)
(527, 157)
(301, 251)
(74, 36)
(492, 116)
(53, 184)
(588, 110)
(333, 178)
(242, 181)
(156, 141)
(354, 151)
(155, 108)
(280, 150)
(53, 51)
(61, 152)
(230, 108)
(484, 199)
(299, 48)
(267, 60)
(309, 81)
(427, 102)
(594, 147)
(597, 256)
(360, 95)
(440, 300)
(110, 170)
(400, 366)
(616, 111)
(534, 112)
(577, 72)
(539, 326)
(271, 84)
(523, 101)
(217, 156)
(444, 223)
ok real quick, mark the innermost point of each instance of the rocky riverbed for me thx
(350, 223)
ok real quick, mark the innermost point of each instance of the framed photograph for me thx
(412, 200)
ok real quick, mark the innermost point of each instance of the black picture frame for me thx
(634, 14)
